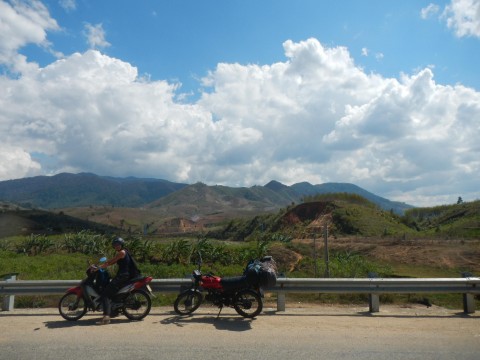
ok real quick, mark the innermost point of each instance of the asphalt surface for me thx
(310, 332)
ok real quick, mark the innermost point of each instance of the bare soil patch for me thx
(446, 254)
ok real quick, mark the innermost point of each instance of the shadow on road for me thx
(221, 323)
(377, 315)
(62, 324)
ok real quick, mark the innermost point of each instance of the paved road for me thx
(316, 332)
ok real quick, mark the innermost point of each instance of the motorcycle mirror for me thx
(199, 260)
(102, 260)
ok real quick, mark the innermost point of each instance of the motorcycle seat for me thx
(232, 283)
(136, 278)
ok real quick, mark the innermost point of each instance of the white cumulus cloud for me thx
(16, 162)
(68, 5)
(23, 23)
(316, 116)
(430, 10)
(96, 37)
(463, 16)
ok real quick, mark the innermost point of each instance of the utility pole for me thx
(315, 254)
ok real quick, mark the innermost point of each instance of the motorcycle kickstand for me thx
(221, 308)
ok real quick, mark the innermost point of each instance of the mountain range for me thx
(67, 190)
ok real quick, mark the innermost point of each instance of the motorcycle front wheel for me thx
(137, 305)
(187, 302)
(72, 307)
(248, 303)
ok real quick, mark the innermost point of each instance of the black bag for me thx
(133, 269)
(262, 272)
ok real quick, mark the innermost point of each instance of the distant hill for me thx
(84, 189)
(345, 214)
(71, 202)
(203, 199)
(307, 189)
(299, 191)
(168, 199)
(26, 222)
(200, 201)
(456, 220)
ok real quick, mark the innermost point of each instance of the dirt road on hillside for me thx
(448, 254)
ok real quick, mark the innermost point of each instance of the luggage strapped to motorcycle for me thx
(261, 272)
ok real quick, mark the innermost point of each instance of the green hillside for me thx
(72, 190)
(457, 220)
(240, 214)
(26, 222)
(351, 214)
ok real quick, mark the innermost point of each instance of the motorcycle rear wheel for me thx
(72, 307)
(137, 305)
(248, 303)
(187, 302)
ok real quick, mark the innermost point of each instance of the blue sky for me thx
(383, 94)
(182, 40)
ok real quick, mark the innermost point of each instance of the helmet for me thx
(117, 241)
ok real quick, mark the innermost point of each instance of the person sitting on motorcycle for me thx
(127, 270)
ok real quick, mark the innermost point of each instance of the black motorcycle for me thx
(243, 293)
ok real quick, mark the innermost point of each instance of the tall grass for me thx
(45, 267)
(342, 264)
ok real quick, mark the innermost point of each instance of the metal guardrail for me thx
(374, 287)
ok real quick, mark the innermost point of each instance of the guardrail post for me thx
(9, 300)
(373, 299)
(281, 301)
(373, 303)
(468, 299)
(468, 303)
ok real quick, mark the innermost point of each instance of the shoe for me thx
(104, 321)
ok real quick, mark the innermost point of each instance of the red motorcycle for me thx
(243, 293)
(133, 300)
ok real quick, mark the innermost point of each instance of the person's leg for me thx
(111, 289)
(107, 294)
